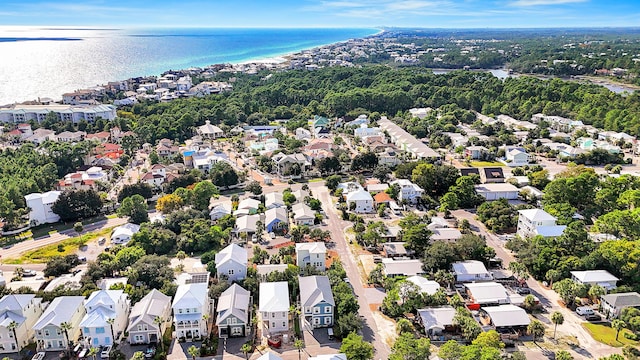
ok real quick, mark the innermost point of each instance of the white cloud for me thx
(526, 3)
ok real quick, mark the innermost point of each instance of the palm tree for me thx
(65, 326)
(93, 351)
(181, 255)
(110, 321)
(246, 349)
(557, 319)
(205, 318)
(159, 321)
(536, 329)
(193, 351)
(299, 344)
(618, 325)
(12, 327)
(138, 355)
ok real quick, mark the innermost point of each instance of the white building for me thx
(209, 131)
(365, 131)
(20, 113)
(595, 277)
(232, 263)
(190, 304)
(150, 318)
(487, 293)
(49, 334)
(274, 306)
(408, 190)
(362, 201)
(495, 191)
(220, 210)
(533, 222)
(302, 214)
(471, 271)
(24, 310)
(40, 205)
(425, 285)
(104, 307)
(123, 234)
(313, 254)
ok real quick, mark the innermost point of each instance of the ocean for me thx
(47, 62)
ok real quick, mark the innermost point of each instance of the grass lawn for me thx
(69, 246)
(607, 335)
(486, 163)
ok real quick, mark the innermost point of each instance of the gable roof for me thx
(437, 317)
(311, 247)
(104, 298)
(60, 310)
(314, 290)
(426, 286)
(234, 253)
(359, 195)
(153, 304)
(621, 300)
(469, 267)
(302, 210)
(274, 296)
(488, 292)
(190, 295)
(402, 267)
(233, 301)
(536, 215)
(248, 203)
(247, 223)
(382, 197)
(278, 213)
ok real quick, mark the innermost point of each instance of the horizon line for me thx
(377, 27)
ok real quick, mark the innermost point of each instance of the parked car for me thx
(76, 271)
(584, 311)
(28, 272)
(39, 356)
(273, 235)
(102, 241)
(377, 259)
(150, 351)
(104, 354)
(523, 291)
(593, 317)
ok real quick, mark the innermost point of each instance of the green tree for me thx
(78, 227)
(135, 207)
(254, 187)
(490, 338)
(138, 355)
(563, 355)
(77, 204)
(356, 348)
(142, 189)
(299, 345)
(535, 329)
(407, 347)
(93, 351)
(557, 319)
(618, 325)
(451, 350)
(202, 194)
(194, 351)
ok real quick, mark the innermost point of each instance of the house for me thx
(123, 234)
(274, 306)
(264, 270)
(403, 267)
(220, 210)
(469, 172)
(595, 277)
(106, 317)
(437, 320)
(471, 271)
(149, 319)
(232, 263)
(516, 157)
(394, 250)
(290, 165)
(407, 142)
(409, 191)
(445, 234)
(362, 201)
(490, 175)
(40, 207)
(506, 317)
(233, 312)
(273, 200)
(487, 293)
(495, 191)
(276, 219)
(533, 222)
(23, 310)
(208, 131)
(49, 333)
(475, 152)
(429, 287)
(190, 305)
(349, 187)
(303, 134)
(249, 204)
(316, 301)
(382, 198)
(41, 135)
(107, 283)
(377, 188)
(303, 215)
(247, 225)
(311, 254)
(613, 304)
(152, 179)
(365, 131)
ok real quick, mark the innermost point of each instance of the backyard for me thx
(607, 335)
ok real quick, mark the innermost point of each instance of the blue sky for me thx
(323, 13)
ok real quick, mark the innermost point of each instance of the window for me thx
(59, 343)
(188, 310)
(273, 315)
(46, 332)
(308, 309)
(230, 271)
(86, 331)
(234, 320)
(284, 324)
(316, 310)
(179, 311)
(100, 330)
(139, 327)
(273, 324)
(39, 333)
(327, 320)
(327, 309)
(58, 332)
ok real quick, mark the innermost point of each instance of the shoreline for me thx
(270, 59)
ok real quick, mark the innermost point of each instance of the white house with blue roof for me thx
(316, 300)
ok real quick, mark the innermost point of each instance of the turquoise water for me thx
(39, 62)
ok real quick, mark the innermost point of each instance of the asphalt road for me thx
(336, 226)
(589, 348)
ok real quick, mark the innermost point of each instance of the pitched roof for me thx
(274, 296)
(302, 210)
(402, 267)
(488, 292)
(314, 290)
(233, 301)
(312, 247)
(153, 304)
(247, 223)
(437, 317)
(426, 286)
(276, 214)
(507, 315)
(469, 267)
(621, 300)
(597, 276)
(60, 310)
(104, 298)
(536, 215)
(382, 197)
(233, 252)
(190, 295)
(359, 195)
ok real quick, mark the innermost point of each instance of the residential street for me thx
(337, 226)
(589, 348)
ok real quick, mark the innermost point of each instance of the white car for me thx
(105, 352)
(584, 311)
(39, 356)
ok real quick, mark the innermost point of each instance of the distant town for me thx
(345, 202)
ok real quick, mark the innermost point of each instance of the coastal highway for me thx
(18, 249)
